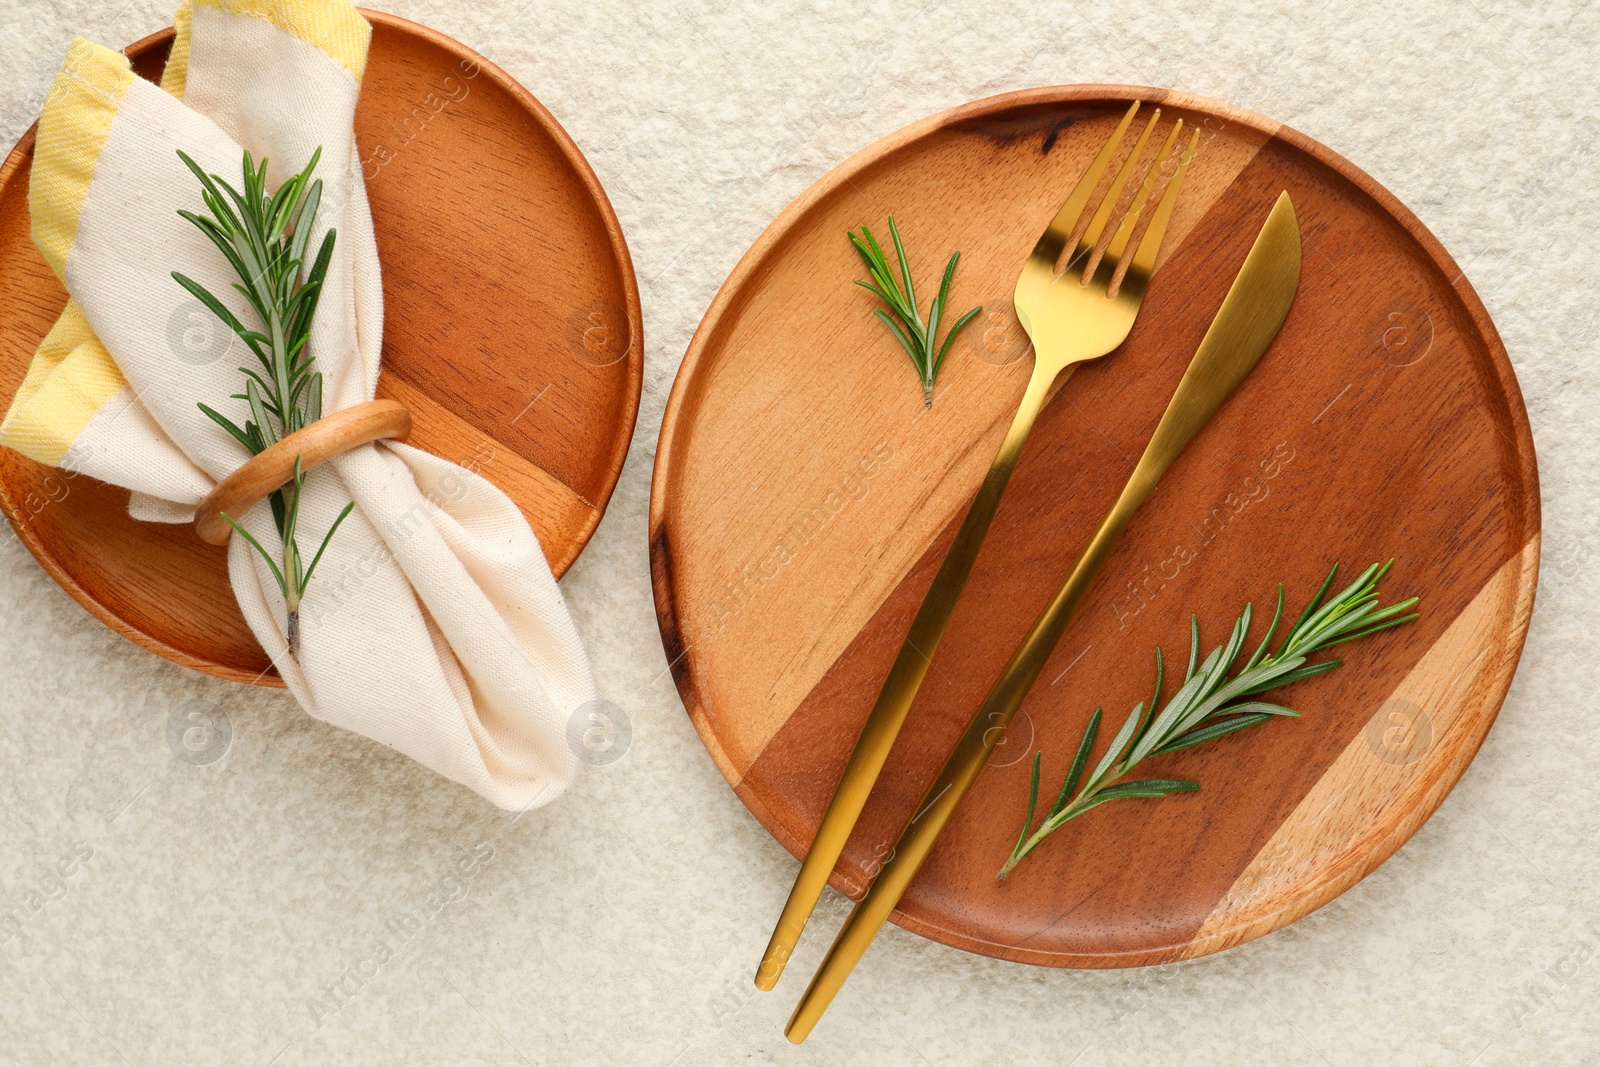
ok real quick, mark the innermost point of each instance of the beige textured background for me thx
(223, 904)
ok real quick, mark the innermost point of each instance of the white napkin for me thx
(433, 624)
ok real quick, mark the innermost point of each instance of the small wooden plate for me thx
(803, 499)
(512, 332)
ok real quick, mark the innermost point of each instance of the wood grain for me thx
(803, 498)
(512, 333)
(1387, 781)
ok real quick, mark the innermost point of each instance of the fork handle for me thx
(967, 760)
(900, 687)
(988, 725)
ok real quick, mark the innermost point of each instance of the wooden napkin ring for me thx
(251, 483)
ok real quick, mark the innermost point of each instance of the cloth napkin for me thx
(433, 624)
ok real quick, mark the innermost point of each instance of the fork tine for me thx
(1061, 228)
(1119, 241)
(1102, 214)
(1144, 259)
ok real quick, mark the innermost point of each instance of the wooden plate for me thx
(803, 498)
(512, 331)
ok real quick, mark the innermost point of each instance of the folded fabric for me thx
(433, 624)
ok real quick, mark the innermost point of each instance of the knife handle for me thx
(900, 687)
(962, 767)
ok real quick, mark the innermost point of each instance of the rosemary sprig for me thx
(1209, 705)
(264, 238)
(919, 338)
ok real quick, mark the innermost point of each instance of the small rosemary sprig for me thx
(1209, 704)
(264, 238)
(918, 338)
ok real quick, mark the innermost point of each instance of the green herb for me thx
(918, 338)
(1209, 704)
(264, 238)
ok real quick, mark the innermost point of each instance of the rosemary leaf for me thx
(919, 337)
(264, 238)
(1210, 705)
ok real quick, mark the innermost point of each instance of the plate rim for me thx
(622, 441)
(675, 432)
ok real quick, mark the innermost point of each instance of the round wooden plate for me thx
(512, 332)
(803, 499)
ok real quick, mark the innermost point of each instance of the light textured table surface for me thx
(232, 912)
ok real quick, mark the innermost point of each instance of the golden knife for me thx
(1250, 317)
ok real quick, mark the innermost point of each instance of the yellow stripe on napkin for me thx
(175, 76)
(72, 130)
(334, 26)
(71, 377)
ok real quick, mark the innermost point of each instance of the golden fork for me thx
(1249, 319)
(1073, 312)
